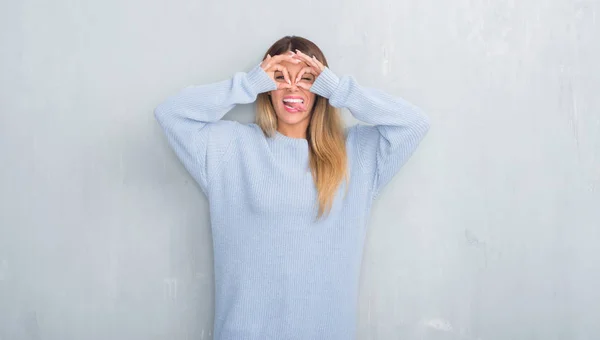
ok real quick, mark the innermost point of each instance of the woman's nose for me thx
(293, 86)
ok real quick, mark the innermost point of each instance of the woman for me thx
(289, 195)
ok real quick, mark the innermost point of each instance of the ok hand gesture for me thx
(273, 64)
(314, 67)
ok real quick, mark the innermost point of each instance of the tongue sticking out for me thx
(295, 106)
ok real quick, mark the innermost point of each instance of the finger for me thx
(297, 55)
(277, 67)
(303, 71)
(315, 63)
(286, 75)
(266, 64)
(285, 57)
(312, 61)
(303, 56)
(318, 63)
(300, 74)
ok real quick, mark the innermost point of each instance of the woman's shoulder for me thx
(243, 133)
(351, 133)
(252, 131)
(234, 128)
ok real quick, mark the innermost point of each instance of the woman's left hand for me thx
(315, 67)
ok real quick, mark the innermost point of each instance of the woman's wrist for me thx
(325, 84)
(260, 81)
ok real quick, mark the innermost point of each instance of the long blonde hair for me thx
(325, 132)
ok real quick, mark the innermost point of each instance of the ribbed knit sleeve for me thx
(399, 126)
(191, 120)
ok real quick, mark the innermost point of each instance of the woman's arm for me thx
(398, 127)
(191, 119)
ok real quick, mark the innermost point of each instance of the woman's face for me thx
(293, 105)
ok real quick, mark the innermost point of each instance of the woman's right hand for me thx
(272, 65)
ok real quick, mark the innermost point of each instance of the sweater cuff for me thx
(325, 84)
(260, 81)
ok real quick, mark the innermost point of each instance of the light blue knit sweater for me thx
(279, 273)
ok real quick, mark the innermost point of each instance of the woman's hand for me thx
(314, 67)
(271, 65)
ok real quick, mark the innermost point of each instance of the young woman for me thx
(289, 195)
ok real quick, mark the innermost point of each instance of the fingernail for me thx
(289, 82)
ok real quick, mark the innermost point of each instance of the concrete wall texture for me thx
(489, 232)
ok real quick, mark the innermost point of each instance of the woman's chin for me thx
(291, 117)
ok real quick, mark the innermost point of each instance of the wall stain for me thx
(170, 288)
(31, 325)
(473, 241)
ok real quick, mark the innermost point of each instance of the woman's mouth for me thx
(293, 104)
